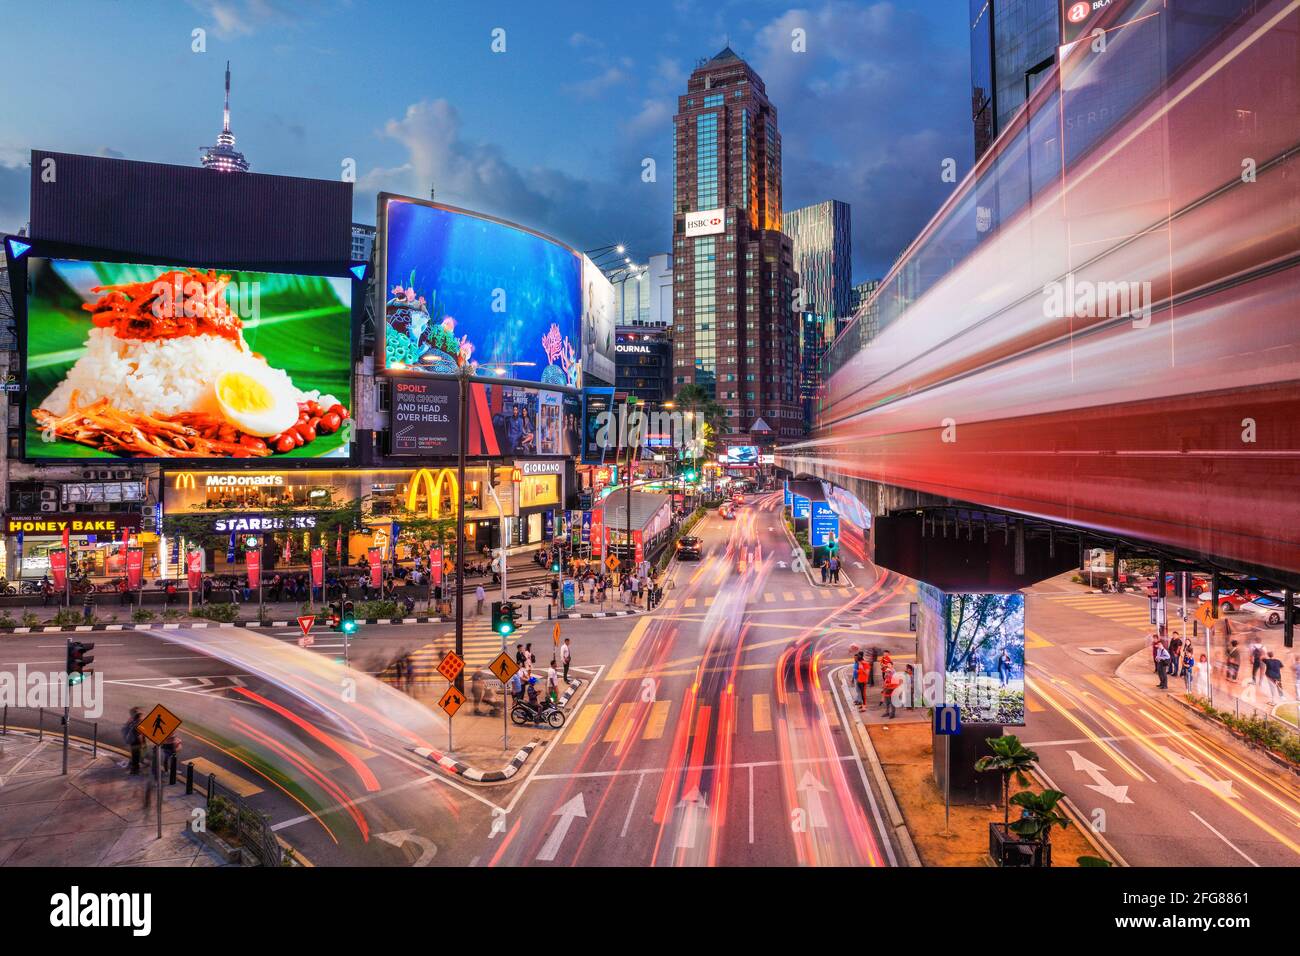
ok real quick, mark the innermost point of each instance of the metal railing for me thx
(28, 718)
(251, 828)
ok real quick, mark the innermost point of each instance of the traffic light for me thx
(832, 545)
(505, 617)
(690, 474)
(335, 614)
(349, 623)
(78, 660)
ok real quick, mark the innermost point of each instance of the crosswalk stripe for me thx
(794, 712)
(1033, 706)
(762, 713)
(768, 597)
(806, 595)
(670, 603)
(708, 602)
(1107, 688)
(689, 602)
(828, 708)
(1033, 640)
(787, 595)
(620, 725)
(582, 724)
(654, 727)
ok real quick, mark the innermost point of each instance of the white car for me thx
(1270, 609)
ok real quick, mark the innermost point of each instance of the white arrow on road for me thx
(574, 808)
(1194, 772)
(781, 565)
(858, 564)
(814, 789)
(398, 838)
(693, 807)
(1099, 782)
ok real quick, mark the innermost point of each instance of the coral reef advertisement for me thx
(503, 298)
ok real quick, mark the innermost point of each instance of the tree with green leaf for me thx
(1011, 759)
(1039, 816)
(709, 417)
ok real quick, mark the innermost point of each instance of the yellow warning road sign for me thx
(555, 633)
(612, 563)
(160, 724)
(451, 666)
(451, 701)
(503, 667)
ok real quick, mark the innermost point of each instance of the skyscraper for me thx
(223, 157)
(1012, 46)
(734, 330)
(822, 245)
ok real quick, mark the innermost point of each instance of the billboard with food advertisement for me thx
(128, 360)
(460, 284)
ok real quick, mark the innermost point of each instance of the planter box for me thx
(1007, 849)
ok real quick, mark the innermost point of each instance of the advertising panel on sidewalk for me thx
(253, 565)
(194, 570)
(825, 524)
(134, 568)
(376, 557)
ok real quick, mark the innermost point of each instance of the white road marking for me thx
(1223, 838)
(635, 793)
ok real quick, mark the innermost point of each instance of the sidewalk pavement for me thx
(95, 816)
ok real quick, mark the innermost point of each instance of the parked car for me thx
(1230, 599)
(688, 548)
(1270, 609)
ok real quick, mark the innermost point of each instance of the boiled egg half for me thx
(256, 400)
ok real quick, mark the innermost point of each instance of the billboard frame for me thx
(381, 288)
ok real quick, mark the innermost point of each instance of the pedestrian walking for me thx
(1256, 660)
(1162, 666)
(1155, 654)
(516, 686)
(1273, 672)
(132, 738)
(566, 656)
(1004, 667)
(88, 607)
(871, 668)
(891, 684)
(1175, 654)
(1189, 668)
(171, 751)
(553, 682)
(826, 571)
(479, 597)
(528, 653)
(476, 691)
(1233, 661)
(519, 654)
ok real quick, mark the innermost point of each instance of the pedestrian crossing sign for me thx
(160, 724)
(503, 667)
(451, 666)
(612, 563)
(451, 701)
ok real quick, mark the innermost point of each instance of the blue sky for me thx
(551, 133)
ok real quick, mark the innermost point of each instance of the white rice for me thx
(164, 376)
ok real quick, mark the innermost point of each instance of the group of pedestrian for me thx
(1174, 656)
(142, 755)
(831, 570)
(864, 671)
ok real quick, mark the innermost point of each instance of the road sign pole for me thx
(947, 780)
(157, 769)
(67, 691)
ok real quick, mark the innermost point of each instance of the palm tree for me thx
(697, 401)
(1009, 758)
(1039, 817)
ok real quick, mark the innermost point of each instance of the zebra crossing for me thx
(1111, 607)
(767, 597)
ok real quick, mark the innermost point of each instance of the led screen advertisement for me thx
(505, 420)
(127, 360)
(457, 283)
(972, 652)
(742, 454)
(598, 323)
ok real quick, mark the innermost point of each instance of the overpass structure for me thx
(1096, 340)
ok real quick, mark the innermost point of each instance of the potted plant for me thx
(1011, 759)
(1038, 816)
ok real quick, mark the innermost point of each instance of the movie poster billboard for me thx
(155, 361)
(457, 283)
(598, 322)
(598, 404)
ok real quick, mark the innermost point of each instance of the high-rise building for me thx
(822, 245)
(643, 363)
(860, 293)
(363, 241)
(734, 331)
(643, 298)
(812, 347)
(1013, 44)
(223, 157)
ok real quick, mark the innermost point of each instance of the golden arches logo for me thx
(433, 489)
(185, 480)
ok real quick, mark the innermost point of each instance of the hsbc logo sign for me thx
(707, 222)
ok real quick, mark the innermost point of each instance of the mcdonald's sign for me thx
(185, 480)
(432, 482)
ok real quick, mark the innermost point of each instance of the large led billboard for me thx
(598, 345)
(455, 283)
(971, 647)
(742, 454)
(156, 361)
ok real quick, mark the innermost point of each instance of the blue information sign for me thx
(802, 506)
(947, 720)
(825, 523)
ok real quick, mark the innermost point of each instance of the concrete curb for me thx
(453, 766)
(1099, 842)
(896, 820)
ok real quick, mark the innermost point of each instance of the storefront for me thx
(540, 491)
(346, 512)
(97, 542)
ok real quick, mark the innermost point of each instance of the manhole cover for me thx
(1100, 650)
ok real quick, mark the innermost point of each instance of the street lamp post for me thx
(463, 373)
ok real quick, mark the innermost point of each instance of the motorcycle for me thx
(545, 712)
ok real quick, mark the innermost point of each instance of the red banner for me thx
(597, 531)
(253, 562)
(286, 549)
(134, 568)
(59, 568)
(376, 568)
(65, 543)
(317, 567)
(636, 542)
(435, 565)
(194, 564)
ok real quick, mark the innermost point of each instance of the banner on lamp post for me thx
(435, 565)
(253, 563)
(376, 568)
(317, 567)
(637, 544)
(194, 570)
(134, 568)
(58, 568)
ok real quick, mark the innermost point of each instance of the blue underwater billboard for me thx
(455, 283)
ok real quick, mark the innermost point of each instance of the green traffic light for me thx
(506, 629)
(75, 679)
(349, 627)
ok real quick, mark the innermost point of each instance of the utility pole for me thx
(463, 374)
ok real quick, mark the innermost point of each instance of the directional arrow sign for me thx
(399, 838)
(781, 565)
(858, 564)
(1193, 771)
(1099, 782)
(813, 789)
(693, 807)
(566, 813)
